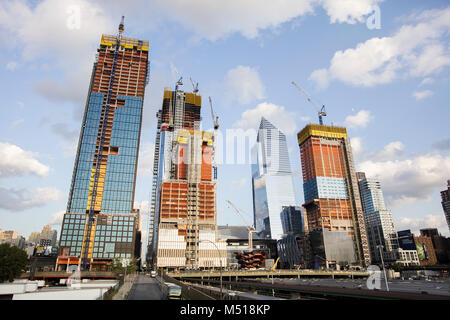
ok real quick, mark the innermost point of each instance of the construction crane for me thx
(250, 229)
(194, 86)
(215, 119)
(321, 112)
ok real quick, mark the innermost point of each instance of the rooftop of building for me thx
(321, 131)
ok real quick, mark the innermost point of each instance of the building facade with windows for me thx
(333, 207)
(100, 220)
(272, 181)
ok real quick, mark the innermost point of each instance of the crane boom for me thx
(215, 119)
(194, 86)
(250, 229)
(320, 112)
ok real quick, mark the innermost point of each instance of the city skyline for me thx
(391, 126)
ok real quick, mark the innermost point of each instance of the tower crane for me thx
(250, 229)
(320, 112)
(215, 119)
(195, 87)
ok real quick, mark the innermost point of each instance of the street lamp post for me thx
(380, 246)
(220, 260)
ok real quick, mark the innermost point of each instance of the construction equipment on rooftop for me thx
(194, 86)
(250, 229)
(320, 112)
(215, 119)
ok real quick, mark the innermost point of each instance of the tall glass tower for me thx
(379, 221)
(100, 222)
(272, 181)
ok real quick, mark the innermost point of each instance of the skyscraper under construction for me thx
(183, 212)
(332, 201)
(100, 222)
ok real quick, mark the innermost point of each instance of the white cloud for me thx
(23, 199)
(14, 161)
(57, 218)
(361, 119)
(391, 151)
(42, 34)
(426, 81)
(356, 145)
(419, 95)
(145, 160)
(428, 221)
(406, 181)
(414, 50)
(216, 19)
(244, 85)
(348, 11)
(282, 119)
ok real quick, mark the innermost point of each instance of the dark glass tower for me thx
(100, 222)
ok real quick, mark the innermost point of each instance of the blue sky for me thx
(388, 86)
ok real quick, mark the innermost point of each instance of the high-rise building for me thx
(379, 221)
(184, 215)
(99, 223)
(272, 180)
(49, 235)
(332, 201)
(292, 221)
(445, 195)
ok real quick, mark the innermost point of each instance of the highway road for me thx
(439, 287)
(146, 288)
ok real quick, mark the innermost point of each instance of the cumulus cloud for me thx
(419, 95)
(23, 199)
(361, 119)
(244, 85)
(356, 145)
(414, 50)
(348, 11)
(14, 161)
(409, 180)
(428, 221)
(213, 20)
(57, 218)
(277, 115)
(391, 151)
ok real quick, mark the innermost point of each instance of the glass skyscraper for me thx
(272, 181)
(100, 222)
(379, 220)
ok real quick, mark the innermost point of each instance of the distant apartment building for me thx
(408, 257)
(13, 238)
(379, 221)
(272, 180)
(445, 195)
(34, 237)
(425, 250)
(49, 235)
(441, 244)
(333, 207)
